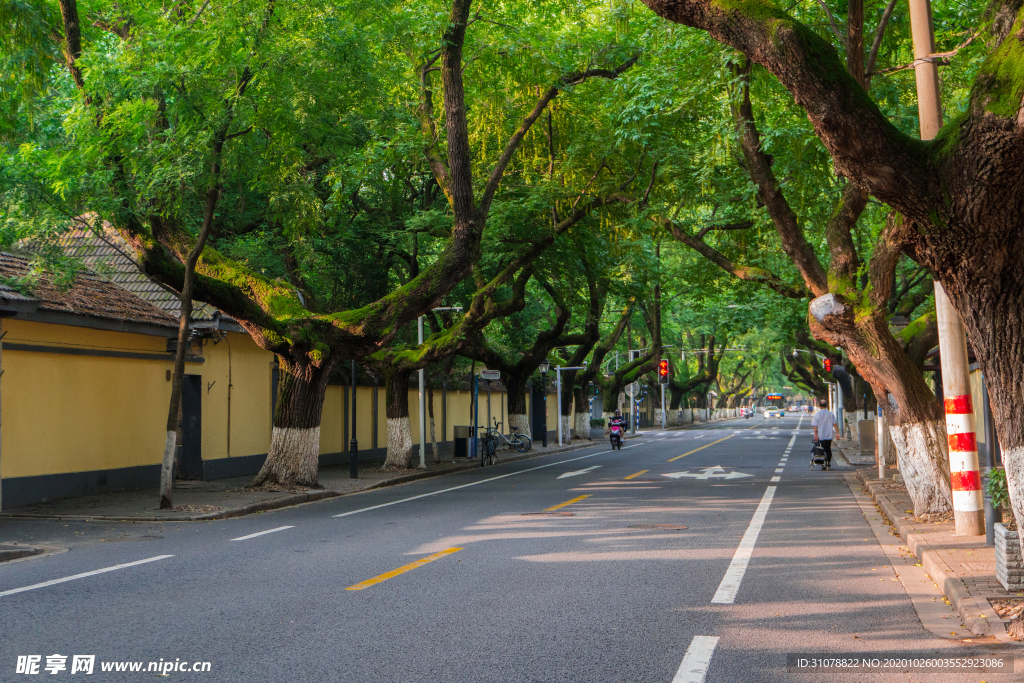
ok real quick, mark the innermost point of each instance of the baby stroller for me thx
(817, 455)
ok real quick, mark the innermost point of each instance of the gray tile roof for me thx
(90, 295)
(109, 255)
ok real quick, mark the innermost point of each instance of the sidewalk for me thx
(962, 567)
(208, 500)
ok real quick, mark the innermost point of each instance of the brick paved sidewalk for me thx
(224, 498)
(963, 567)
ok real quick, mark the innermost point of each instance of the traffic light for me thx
(663, 371)
(827, 364)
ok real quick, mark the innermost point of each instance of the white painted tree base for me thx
(399, 443)
(583, 426)
(294, 458)
(518, 422)
(917, 447)
(1013, 460)
(566, 426)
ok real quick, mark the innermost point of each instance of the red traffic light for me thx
(663, 371)
(827, 364)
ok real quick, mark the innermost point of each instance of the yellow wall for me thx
(67, 413)
(73, 413)
(249, 411)
(64, 413)
(978, 398)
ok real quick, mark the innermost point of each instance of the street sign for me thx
(633, 388)
(490, 374)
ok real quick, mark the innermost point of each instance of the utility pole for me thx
(968, 504)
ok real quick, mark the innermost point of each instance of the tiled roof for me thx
(7, 293)
(90, 295)
(107, 256)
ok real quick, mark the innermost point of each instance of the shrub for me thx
(597, 423)
(996, 489)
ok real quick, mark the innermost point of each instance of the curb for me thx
(261, 506)
(13, 552)
(970, 609)
(286, 501)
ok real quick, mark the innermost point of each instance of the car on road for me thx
(771, 412)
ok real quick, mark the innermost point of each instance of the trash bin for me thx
(461, 446)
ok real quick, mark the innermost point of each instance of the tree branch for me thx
(748, 273)
(863, 143)
(549, 94)
(759, 166)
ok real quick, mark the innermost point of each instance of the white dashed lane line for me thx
(54, 582)
(262, 533)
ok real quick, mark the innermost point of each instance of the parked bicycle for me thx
(493, 437)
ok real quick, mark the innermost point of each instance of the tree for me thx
(879, 356)
(117, 182)
(958, 197)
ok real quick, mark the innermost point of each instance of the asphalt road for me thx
(549, 569)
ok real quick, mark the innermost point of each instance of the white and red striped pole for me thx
(968, 506)
(965, 478)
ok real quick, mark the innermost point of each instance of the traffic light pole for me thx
(663, 406)
(965, 478)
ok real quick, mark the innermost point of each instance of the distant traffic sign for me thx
(490, 374)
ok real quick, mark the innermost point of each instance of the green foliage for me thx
(996, 489)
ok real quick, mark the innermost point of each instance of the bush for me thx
(597, 423)
(996, 489)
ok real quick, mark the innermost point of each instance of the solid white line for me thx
(697, 659)
(776, 478)
(730, 586)
(82, 576)
(262, 533)
(474, 483)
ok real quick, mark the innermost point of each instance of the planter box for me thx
(1009, 565)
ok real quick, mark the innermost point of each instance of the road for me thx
(556, 568)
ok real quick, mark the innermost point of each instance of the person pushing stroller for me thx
(825, 426)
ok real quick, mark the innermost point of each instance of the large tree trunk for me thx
(582, 421)
(915, 418)
(518, 418)
(295, 442)
(396, 407)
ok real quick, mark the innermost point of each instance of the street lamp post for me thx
(558, 393)
(422, 396)
(544, 367)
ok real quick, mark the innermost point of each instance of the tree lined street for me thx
(278, 282)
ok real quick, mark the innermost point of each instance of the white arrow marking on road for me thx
(716, 472)
(577, 472)
(759, 437)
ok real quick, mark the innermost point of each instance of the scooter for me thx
(615, 434)
(747, 414)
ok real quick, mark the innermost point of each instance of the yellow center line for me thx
(707, 445)
(637, 474)
(401, 570)
(568, 502)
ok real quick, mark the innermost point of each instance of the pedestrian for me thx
(825, 426)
